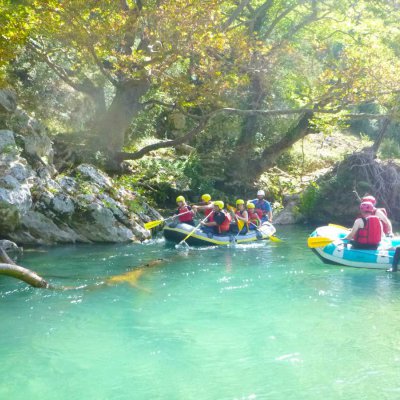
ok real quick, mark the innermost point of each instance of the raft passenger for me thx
(367, 231)
(218, 222)
(264, 206)
(240, 215)
(185, 213)
(208, 205)
(254, 218)
(381, 214)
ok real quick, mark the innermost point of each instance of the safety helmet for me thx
(206, 197)
(219, 204)
(261, 193)
(180, 198)
(251, 205)
(369, 199)
(239, 201)
(367, 207)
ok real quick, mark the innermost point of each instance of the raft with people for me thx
(368, 244)
(247, 222)
(329, 244)
(177, 233)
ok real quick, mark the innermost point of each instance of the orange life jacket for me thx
(224, 227)
(254, 217)
(371, 233)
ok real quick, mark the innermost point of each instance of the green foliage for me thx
(309, 200)
(390, 148)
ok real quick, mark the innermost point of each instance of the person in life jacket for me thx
(264, 206)
(218, 221)
(367, 231)
(381, 214)
(207, 205)
(184, 212)
(254, 216)
(241, 219)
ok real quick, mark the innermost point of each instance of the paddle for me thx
(318, 241)
(193, 230)
(271, 237)
(153, 224)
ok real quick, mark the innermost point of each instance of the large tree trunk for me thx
(115, 122)
(238, 174)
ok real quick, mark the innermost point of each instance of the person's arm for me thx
(383, 217)
(269, 211)
(358, 223)
(243, 218)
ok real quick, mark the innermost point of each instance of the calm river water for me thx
(262, 321)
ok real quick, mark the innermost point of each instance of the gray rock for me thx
(62, 205)
(290, 214)
(7, 141)
(91, 173)
(9, 247)
(8, 101)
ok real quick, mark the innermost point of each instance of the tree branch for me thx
(234, 15)
(167, 143)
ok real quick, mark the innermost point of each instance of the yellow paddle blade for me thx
(339, 227)
(240, 224)
(153, 224)
(313, 242)
(275, 239)
(230, 208)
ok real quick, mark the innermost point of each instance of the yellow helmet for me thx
(180, 198)
(219, 204)
(239, 201)
(251, 205)
(206, 197)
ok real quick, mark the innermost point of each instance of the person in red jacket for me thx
(219, 221)
(254, 216)
(184, 212)
(381, 214)
(367, 231)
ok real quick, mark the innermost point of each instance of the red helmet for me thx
(368, 199)
(367, 207)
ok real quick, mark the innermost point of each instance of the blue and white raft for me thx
(178, 232)
(342, 253)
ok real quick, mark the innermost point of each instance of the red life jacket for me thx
(371, 233)
(385, 226)
(224, 227)
(208, 211)
(254, 218)
(186, 217)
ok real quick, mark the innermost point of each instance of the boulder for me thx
(8, 101)
(90, 173)
(7, 141)
(290, 213)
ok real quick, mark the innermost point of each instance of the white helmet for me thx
(261, 193)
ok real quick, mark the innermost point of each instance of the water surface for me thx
(262, 321)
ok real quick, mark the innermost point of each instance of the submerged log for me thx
(24, 274)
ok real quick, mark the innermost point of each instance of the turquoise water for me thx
(267, 321)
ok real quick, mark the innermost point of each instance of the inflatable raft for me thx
(176, 233)
(342, 253)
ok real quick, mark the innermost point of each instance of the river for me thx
(261, 321)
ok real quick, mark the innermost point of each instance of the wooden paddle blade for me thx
(153, 224)
(313, 242)
(339, 227)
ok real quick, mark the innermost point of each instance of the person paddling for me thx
(184, 213)
(218, 222)
(264, 206)
(254, 217)
(207, 205)
(367, 231)
(241, 218)
(381, 214)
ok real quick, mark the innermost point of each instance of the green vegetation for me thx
(241, 84)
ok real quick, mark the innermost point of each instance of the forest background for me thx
(216, 96)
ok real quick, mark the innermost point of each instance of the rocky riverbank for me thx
(39, 205)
